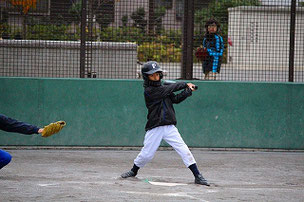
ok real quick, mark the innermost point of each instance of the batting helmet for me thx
(150, 68)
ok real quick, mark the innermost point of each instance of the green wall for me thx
(112, 113)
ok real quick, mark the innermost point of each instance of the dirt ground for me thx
(94, 175)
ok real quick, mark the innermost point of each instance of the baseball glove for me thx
(201, 53)
(53, 128)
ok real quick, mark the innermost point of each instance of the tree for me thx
(23, 7)
(75, 12)
(104, 10)
(219, 10)
(138, 16)
(124, 20)
(159, 13)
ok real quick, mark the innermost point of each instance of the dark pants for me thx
(5, 158)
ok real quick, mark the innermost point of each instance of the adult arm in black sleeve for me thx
(11, 125)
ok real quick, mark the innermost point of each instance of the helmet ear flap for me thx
(144, 76)
(161, 75)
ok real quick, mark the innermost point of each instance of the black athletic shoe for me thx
(128, 174)
(201, 180)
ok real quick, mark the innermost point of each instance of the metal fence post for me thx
(89, 39)
(188, 27)
(151, 22)
(83, 38)
(292, 40)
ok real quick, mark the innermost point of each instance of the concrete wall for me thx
(35, 58)
(112, 113)
(260, 37)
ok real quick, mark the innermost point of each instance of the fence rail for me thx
(263, 39)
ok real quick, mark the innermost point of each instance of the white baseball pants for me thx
(153, 138)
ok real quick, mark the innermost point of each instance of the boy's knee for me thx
(5, 158)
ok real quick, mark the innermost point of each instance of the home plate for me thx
(166, 184)
(47, 185)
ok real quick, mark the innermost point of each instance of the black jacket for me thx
(159, 101)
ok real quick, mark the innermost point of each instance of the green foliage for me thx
(138, 16)
(159, 13)
(9, 32)
(123, 34)
(50, 32)
(163, 48)
(75, 12)
(124, 20)
(3, 16)
(219, 10)
(169, 37)
(133, 34)
(3, 29)
(159, 52)
(104, 20)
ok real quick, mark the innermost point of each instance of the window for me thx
(105, 10)
(179, 9)
(165, 3)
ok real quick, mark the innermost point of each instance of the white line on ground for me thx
(166, 184)
(177, 194)
(75, 182)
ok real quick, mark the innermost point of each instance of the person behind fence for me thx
(161, 121)
(214, 45)
(12, 125)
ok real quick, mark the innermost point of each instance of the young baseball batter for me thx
(161, 120)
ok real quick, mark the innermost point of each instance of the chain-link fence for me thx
(262, 40)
